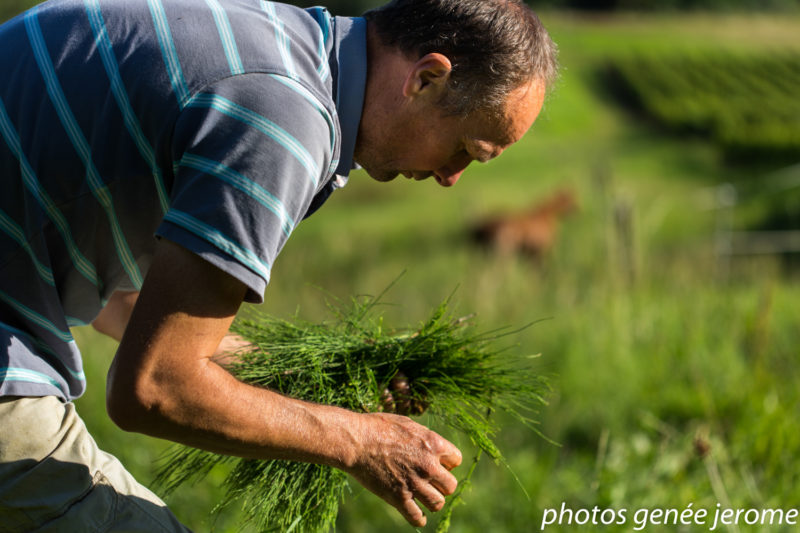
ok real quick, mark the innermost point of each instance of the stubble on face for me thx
(396, 140)
(384, 134)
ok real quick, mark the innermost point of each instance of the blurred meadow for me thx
(666, 312)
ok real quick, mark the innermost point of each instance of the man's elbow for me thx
(132, 403)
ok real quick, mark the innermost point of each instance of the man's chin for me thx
(383, 177)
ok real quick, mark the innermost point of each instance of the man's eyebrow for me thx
(481, 153)
(488, 154)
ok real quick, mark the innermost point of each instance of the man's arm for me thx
(114, 317)
(163, 382)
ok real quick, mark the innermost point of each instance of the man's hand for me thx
(233, 344)
(402, 461)
(398, 397)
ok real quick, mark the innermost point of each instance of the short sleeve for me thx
(250, 153)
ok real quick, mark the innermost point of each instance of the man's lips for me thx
(416, 175)
(422, 175)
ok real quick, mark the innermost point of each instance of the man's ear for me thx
(429, 74)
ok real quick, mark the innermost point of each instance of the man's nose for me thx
(448, 175)
(447, 179)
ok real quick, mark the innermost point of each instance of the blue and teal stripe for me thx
(15, 231)
(311, 99)
(81, 145)
(29, 376)
(121, 96)
(324, 21)
(244, 184)
(36, 318)
(265, 126)
(43, 347)
(169, 52)
(226, 36)
(221, 241)
(82, 264)
(75, 322)
(77, 375)
(282, 39)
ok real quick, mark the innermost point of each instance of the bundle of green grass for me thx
(350, 362)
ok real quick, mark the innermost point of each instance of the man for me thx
(216, 125)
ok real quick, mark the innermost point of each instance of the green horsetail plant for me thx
(350, 362)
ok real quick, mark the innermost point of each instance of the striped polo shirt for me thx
(216, 124)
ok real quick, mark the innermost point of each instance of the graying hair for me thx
(494, 46)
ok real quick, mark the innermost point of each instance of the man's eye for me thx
(483, 158)
(464, 153)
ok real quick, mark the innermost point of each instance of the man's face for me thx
(423, 142)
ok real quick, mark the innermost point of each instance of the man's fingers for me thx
(412, 513)
(445, 483)
(449, 456)
(387, 401)
(403, 462)
(429, 497)
(399, 383)
(418, 407)
(401, 391)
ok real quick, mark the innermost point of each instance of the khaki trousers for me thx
(54, 478)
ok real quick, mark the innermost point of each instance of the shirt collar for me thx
(350, 51)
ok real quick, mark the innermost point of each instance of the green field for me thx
(746, 103)
(675, 368)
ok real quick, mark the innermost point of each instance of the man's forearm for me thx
(114, 317)
(214, 411)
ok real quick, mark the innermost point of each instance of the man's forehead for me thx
(523, 106)
(518, 114)
(498, 131)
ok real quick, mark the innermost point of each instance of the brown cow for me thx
(531, 232)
